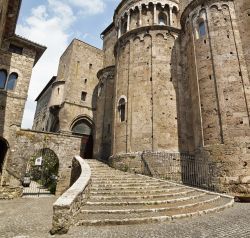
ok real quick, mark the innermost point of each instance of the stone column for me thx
(128, 21)
(170, 15)
(140, 13)
(155, 15)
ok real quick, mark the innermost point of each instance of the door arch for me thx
(3, 151)
(83, 126)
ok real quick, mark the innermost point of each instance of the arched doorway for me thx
(44, 173)
(3, 152)
(84, 127)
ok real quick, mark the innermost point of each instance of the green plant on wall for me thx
(46, 174)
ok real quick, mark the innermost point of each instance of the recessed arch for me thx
(82, 125)
(12, 81)
(163, 19)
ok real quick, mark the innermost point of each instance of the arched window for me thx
(12, 81)
(82, 127)
(3, 78)
(162, 19)
(202, 29)
(122, 109)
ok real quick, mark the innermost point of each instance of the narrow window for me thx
(90, 66)
(202, 29)
(3, 78)
(15, 49)
(121, 109)
(83, 96)
(12, 81)
(162, 19)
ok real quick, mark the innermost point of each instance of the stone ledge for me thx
(69, 204)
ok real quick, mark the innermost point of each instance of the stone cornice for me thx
(126, 5)
(145, 29)
(108, 70)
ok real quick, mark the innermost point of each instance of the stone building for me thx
(170, 84)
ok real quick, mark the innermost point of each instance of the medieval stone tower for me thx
(177, 75)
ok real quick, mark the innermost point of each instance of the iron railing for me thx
(180, 168)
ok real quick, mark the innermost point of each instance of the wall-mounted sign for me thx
(39, 161)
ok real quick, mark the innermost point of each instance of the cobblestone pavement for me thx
(35, 190)
(31, 218)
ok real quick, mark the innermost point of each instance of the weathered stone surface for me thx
(69, 204)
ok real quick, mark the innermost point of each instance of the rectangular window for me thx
(83, 96)
(15, 49)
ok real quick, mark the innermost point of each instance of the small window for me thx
(162, 19)
(100, 88)
(84, 96)
(90, 66)
(202, 29)
(3, 78)
(121, 109)
(85, 81)
(12, 81)
(15, 49)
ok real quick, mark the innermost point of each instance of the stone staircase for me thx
(118, 197)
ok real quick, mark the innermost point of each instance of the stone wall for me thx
(242, 8)
(13, 102)
(24, 144)
(83, 64)
(104, 112)
(219, 83)
(109, 40)
(41, 119)
(70, 203)
(147, 78)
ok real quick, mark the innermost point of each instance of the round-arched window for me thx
(122, 109)
(162, 19)
(12, 81)
(82, 127)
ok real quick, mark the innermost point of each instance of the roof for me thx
(39, 49)
(53, 79)
(108, 29)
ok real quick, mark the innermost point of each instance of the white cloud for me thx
(49, 25)
(90, 7)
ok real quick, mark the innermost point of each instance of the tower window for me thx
(83, 96)
(162, 19)
(121, 109)
(12, 81)
(3, 78)
(202, 29)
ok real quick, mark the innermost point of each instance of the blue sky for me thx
(54, 23)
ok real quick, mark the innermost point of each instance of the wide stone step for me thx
(123, 198)
(135, 187)
(141, 196)
(133, 218)
(160, 200)
(145, 184)
(135, 191)
(148, 207)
